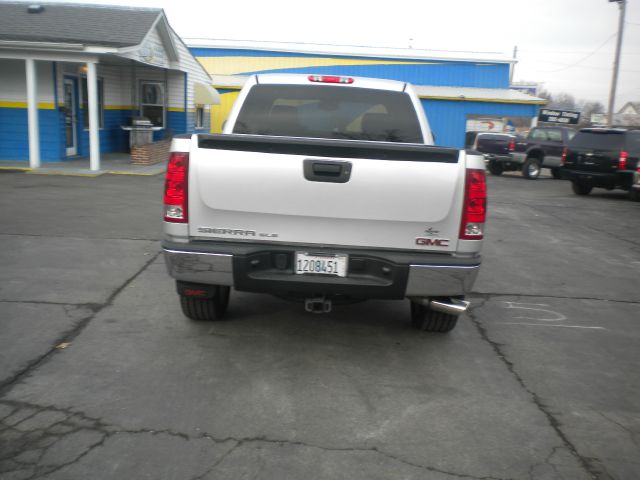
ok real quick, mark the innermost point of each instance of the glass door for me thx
(70, 117)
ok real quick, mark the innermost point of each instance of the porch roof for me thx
(96, 25)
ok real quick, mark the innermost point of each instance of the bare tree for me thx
(563, 101)
(566, 101)
(587, 109)
(546, 94)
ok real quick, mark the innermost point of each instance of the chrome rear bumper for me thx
(422, 280)
(200, 267)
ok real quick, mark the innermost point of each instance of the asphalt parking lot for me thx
(102, 377)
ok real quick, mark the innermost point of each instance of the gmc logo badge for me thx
(432, 242)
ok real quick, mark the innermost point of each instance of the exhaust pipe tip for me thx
(451, 306)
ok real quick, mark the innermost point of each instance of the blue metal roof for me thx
(415, 71)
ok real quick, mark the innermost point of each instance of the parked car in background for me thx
(542, 148)
(603, 158)
(496, 149)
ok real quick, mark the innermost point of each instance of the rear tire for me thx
(531, 168)
(422, 318)
(206, 309)
(581, 189)
(634, 195)
(555, 173)
(495, 168)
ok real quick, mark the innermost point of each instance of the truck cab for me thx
(542, 148)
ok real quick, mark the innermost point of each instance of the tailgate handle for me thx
(327, 171)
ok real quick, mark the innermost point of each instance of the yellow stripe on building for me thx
(120, 107)
(41, 106)
(238, 65)
(219, 113)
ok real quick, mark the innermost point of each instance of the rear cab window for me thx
(538, 135)
(554, 135)
(327, 111)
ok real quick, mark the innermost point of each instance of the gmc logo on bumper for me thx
(432, 242)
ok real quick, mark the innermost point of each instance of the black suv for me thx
(603, 158)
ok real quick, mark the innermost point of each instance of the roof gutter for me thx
(19, 44)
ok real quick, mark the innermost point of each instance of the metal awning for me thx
(204, 94)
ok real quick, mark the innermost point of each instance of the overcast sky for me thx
(568, 45)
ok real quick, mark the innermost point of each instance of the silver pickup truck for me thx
(324, 189)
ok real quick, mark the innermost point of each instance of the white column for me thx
(32, 112)
(94, 125)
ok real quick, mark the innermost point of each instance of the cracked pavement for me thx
(539, 381)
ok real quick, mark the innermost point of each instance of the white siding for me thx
(176, 89)
(194, 70)
(13, 81)
(150, 52)
(116, 81)
(122, 83)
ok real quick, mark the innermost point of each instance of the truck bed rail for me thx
(321, 147)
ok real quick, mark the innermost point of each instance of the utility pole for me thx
(513, 65)
(622, 5)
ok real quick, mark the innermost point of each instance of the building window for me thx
(85, 103)
(199, 116)
(152, 102)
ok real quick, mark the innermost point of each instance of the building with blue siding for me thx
(458, 93)
(72, 76)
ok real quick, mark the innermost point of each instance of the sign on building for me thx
(552, 115)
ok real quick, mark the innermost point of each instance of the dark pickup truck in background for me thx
(603, 158)
(542, 148)
(496, 148)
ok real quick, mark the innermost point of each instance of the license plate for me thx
(321, 264)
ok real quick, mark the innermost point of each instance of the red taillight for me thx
(622, 160)
(474, 211)
(191, 292)
(563, 159)
(512, 146)
(329, 79)
(175, 188)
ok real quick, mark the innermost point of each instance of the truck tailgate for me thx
(325, 192)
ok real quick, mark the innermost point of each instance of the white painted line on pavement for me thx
(554, 316)
(551, 325)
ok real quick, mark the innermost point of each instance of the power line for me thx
(568, 52)
(591, 67)
(585, 57)
(193, 39)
